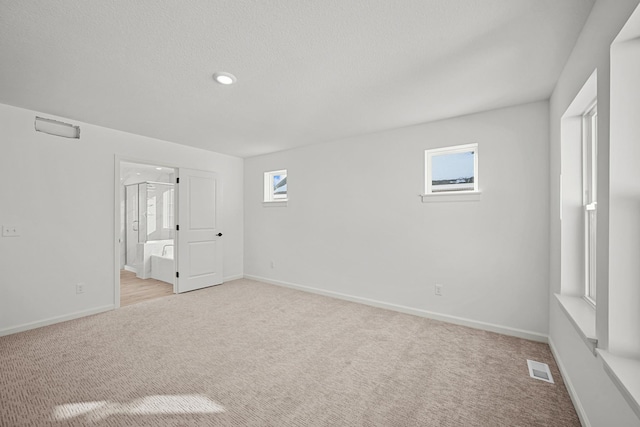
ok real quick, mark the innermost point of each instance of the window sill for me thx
(625, 374)
(451, 197)
(583, 317)
(276, 204)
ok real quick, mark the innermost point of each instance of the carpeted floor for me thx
(250, 354)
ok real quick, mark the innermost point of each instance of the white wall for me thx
(599, 402)
(624, 206)
(60, 192)
(583, 371)
(355, 225)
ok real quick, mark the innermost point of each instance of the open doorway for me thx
(147, 232)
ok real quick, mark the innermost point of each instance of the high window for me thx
(451, 169)
(275, 186)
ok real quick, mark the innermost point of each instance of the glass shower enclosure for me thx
(149, 213)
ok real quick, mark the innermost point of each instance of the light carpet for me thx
(250, 354)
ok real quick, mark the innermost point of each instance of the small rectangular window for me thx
(275, 186)
(451, 169)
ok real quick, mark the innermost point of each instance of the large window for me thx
(590, 197)
(451, 169)
(275, 186)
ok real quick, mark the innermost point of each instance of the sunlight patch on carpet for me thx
(149, 405)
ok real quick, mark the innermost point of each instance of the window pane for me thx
(275, 186)
(590, 180)
(452, 172)
(280, 186)
(591, 280)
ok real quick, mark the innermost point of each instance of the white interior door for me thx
(199, 257)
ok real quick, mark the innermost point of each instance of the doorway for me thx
(167, 232)
(147, 232)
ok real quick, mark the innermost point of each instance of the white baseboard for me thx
(52, 320)
(505, 330)
(582, 415)
(234, 277)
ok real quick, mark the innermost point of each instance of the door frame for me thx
(117, 220)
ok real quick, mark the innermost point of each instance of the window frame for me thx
(590, 198)
(455, 149)
(269, 191)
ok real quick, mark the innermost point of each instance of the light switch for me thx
(10, 231)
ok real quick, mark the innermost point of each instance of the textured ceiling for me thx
(308, 71)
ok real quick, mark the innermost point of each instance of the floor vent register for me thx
(539, 371)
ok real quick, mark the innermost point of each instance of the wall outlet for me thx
(438, 290)
(80, 288)
(273, 264)
(10, 231)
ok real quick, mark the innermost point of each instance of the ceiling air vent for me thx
(539, 371)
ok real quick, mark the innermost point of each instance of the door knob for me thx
(219, 234)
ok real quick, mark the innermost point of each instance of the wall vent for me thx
(539, 371)
(55, 127)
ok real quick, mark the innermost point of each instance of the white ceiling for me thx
(308, 71)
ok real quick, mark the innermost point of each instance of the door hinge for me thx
(177, 274)
(177, 227)
(177, 180)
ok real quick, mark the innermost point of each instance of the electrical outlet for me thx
(438, 290)
(10, 231)
(273, 264)
(80, 288)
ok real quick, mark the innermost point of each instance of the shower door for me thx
(132, 223)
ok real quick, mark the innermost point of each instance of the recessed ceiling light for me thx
(137, 173)
(224, 78)
(158, 169)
